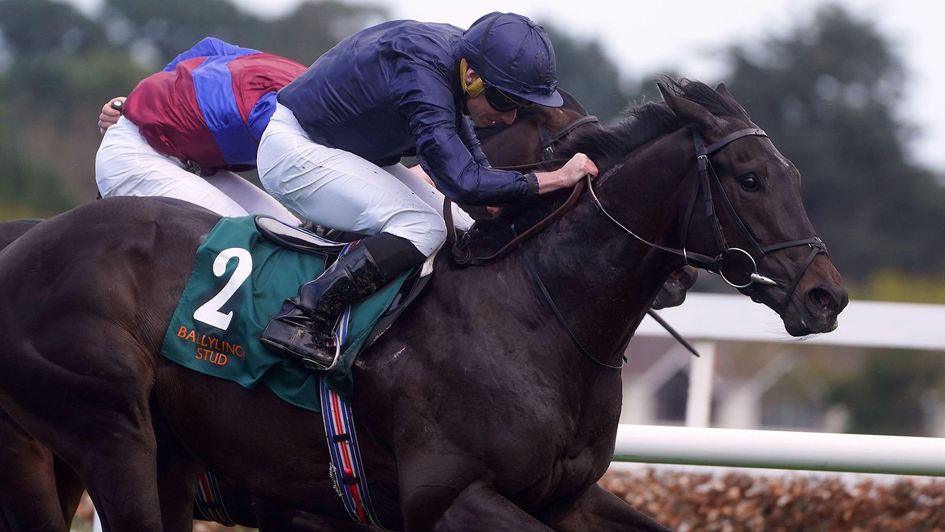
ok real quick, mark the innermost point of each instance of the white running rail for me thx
(707, 318)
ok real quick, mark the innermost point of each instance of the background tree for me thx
(58, 59)
(828, 93)
(164, 29)
(589, 75)
(896, 392)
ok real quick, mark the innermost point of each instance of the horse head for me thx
(737, 202)
(760, 237)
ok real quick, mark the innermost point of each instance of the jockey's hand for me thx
(573, 171)
(110, 114)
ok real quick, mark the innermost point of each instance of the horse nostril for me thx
(822, 300)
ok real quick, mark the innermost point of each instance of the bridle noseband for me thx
(736, 266)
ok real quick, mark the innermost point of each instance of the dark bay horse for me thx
(27, 501)
(476, 410)
(34, 475)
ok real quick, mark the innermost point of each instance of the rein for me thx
(554, 308)
(463, 256)
(717, 263)
(722, 263)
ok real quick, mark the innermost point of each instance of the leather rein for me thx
(463, 256)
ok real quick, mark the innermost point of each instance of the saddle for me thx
(296, 238)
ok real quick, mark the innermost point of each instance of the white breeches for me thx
(338, 189)
(126, 165)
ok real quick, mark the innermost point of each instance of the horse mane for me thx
(646, 122)
(608, 146)
(717, 103)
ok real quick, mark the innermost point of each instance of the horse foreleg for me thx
(28, 494)
(177, 482)
(140, 480)
(70, 489)
(479, 507)
(121, 476)
(598, 509)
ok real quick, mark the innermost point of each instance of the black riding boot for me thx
(304, 328)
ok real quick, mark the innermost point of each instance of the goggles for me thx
(502, 101)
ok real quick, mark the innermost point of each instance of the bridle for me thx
(736, 266)
(548, 141)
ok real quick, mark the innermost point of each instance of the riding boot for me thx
(305, 326)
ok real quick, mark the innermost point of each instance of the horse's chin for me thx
(797, 325)
(800, 320)
(801, 328)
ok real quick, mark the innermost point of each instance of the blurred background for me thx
(843, 88)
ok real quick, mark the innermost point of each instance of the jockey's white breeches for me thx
(126, 165)
(338, 189)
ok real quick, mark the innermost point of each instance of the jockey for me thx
(186, 129)
(332, 147)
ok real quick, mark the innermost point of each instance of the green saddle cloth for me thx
(239, 280)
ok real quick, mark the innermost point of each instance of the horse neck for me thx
(602, 279)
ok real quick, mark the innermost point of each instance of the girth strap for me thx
(209, 503)
(347, 472)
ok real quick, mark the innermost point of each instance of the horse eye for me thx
(749, 182)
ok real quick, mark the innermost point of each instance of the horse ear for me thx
(689, 110)
(723, 91)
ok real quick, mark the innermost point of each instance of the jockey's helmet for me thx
(513, 54)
